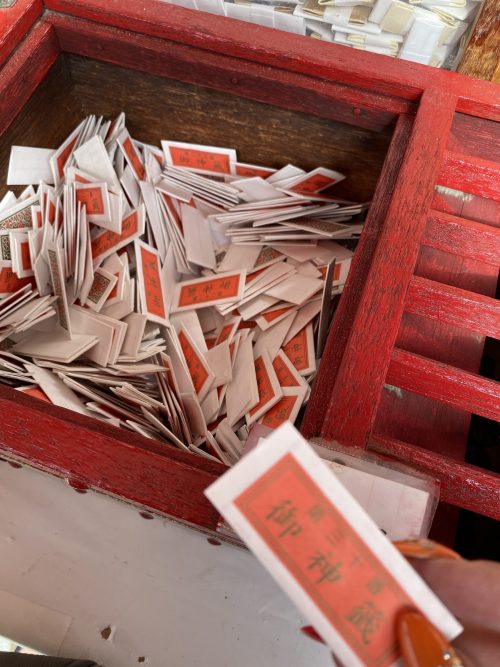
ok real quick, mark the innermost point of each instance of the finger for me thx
(478, 647)
(470, 589)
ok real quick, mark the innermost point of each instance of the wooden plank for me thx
(482, 55)
(452, 386)
(466, 238)
(356, 280)
(356, 393)
(454, 306)
(24, 71)
(462, 484)
(81, 451)
(367, 71)
(15, 22)
(217, 70)
(470, 174)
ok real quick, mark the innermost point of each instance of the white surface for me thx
(168, 595)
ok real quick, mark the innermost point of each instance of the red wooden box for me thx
(419, 299)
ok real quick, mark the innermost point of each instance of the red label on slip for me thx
(91, 198)
(152, 283)
(327, 558)
(109, 240)
(297, 350)
(266, 391)
(9, 282)
(212, 289)
(313, 184)
(202, 160)
(285, 376)
(62, 158)
(25, 256)
(280, 413)
(271, 315)
(133, 158)
(196, 369)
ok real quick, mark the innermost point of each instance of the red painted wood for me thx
(356, 280)
(451, 305)
(466, 238)
(184, 63)
(462, 484)
(15, 22)
(106, 459)
(356, 393)
(26, 68)
(470, 174)
(445, 383)
(367, 71)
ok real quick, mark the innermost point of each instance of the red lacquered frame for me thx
(394, 272)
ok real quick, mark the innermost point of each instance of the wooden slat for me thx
(470, 174)
(454, 306)
(452, 386)
(24, 71)
(390, 77)
(482, 55)
(183, 62)
(92, 455)
(356, 280)
(466, 238)
(462, 484)
(356, 393)
(15, 22)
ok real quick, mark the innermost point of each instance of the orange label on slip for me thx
(108, 242)
(284, 374)
(313, 184)
(196, 369)
(133, 159)
(92, 199)
(272, 315)
(266, 391)
(152, 283)
(297, 350)
(202, 160)
(9, 282)
(327, 558)
(280, 413)
(209, 290)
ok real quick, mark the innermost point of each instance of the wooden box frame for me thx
(444, 128)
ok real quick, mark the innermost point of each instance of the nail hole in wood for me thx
(146, 515)
(212, 540)
(106, 633)
(13, 464)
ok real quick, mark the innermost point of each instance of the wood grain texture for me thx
(462, 484)
(466, 238)
(471, 174)
(24, 71)
(451, 305)
(356, 393)
(358, 276)
(159, 108)
(134, 468)
(482, 56)
(477, 137)
(15, 22)
(461, 389)
(331, 62)
(218, 70)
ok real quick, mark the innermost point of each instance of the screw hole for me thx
(13, 464)
(146, 515)
(141, 659)
(212, 540)
(106, 633)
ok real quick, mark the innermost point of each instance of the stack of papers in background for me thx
(175, 292)
(431, 32)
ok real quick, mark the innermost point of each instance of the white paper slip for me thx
(324, 550)
(29, 166)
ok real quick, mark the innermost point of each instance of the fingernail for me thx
(422, 548)
(422, 645)
(310, 632)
